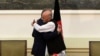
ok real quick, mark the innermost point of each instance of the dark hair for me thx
(46, 9)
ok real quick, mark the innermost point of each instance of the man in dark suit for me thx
(39, 44)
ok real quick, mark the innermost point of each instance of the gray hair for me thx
(47, 9)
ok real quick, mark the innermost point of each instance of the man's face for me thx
(46, 16)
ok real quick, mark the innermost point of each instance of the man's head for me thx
(46, 15)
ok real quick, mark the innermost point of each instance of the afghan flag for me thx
(56, 15)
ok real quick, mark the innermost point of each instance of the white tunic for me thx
(48, 27)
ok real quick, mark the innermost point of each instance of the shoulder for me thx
(39, 21)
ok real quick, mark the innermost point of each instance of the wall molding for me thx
(70, 50)
(36, 12)
(77, 50)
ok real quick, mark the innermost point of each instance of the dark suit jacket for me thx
(39, 44)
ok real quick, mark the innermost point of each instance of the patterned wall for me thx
(40, 4)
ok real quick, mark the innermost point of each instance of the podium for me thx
(94, 48)
(13, 48)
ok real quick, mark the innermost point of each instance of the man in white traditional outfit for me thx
(51, 33)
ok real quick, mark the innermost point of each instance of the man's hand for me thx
(59, 28)
(33, 23)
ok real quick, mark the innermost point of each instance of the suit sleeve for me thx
(35, 32)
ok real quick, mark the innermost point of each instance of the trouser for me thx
(62, 53)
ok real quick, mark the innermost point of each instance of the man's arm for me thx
(49, 27)
(52, 35)
(35, 32)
